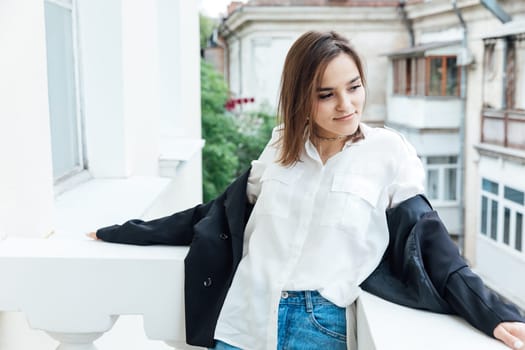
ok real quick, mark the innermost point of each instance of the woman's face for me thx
(340, 98)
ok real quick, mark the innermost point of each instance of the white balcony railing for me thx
(75, 291)
(424, 112)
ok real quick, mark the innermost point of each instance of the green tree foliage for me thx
(206, 25)
(232, 142)
(219, 132)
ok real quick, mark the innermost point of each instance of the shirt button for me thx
(207, 282)
(284, 295)
(223, 236)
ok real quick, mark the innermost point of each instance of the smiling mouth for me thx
(345, 117)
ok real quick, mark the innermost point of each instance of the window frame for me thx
(503, 204)
(441, 168)
(406, 76)
(444, 76)
(82, 166)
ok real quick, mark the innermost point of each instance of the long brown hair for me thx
(303, 70)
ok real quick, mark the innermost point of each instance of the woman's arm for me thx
(175, 229)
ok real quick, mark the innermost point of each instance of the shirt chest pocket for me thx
(278, 185)
(350, 202)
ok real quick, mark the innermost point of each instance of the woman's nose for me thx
(344, 103)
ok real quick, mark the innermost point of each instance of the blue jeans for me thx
(307, 321)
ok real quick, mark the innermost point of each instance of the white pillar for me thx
(26, 182)
(120, 74)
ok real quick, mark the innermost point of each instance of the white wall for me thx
(26, 193)
(493, 77)
(102, 76)
(520, 76)
(425, 112)
(120, 75)
(267, 56)
(125, 47)
(140, 64)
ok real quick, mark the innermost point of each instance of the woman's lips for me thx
(345, 117)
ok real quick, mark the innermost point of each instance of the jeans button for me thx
(284, 295)
(207, 282)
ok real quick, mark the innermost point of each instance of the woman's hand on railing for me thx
(92, 235)
(512, 334)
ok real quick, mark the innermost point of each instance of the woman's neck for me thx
(327, 148)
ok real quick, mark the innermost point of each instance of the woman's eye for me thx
(325, 96)
(355, 87)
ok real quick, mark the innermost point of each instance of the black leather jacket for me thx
(421, 268)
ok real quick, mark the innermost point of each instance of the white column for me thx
(26, 184)
(140, 58)
(120, 74)
(100, 43)
(171, 84)
(180, 107)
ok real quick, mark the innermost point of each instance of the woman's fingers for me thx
(92, 235)
(512, 334)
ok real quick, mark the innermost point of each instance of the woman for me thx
(318, 229)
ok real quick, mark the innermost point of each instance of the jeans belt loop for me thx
(308, 297)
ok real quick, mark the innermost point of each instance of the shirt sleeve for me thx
(410, 175)
(267, 156)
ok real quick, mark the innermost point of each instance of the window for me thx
(426, 76)
(502, 209)
(503, 113)
(64, 111)
(443, 76)
(442, 182)
(405, 76)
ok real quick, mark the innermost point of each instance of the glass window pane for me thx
(442, 160)
(432, 183)
(452, 77)
(519, 231)
(450, 184)
(506, 226)
(513, 195)
(494, 220)
(62, 91)
(436, 74)
(408, 80)
(490, 186)
(484, 214)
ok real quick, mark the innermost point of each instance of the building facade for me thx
(258, 35)
(462, 83)
(428, 77)
(499, 185)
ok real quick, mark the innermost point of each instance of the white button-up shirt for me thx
(315, 226)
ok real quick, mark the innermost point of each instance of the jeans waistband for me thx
(307, 298)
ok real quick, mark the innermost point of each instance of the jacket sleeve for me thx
(461, 288)
(176, 229)
(482, 308)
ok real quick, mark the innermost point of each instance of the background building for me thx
(259, 33)
(448, 75)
